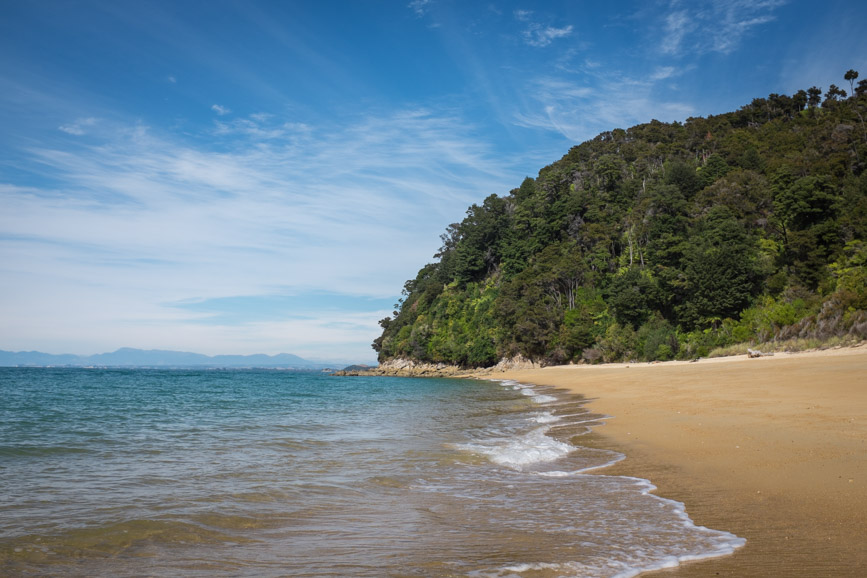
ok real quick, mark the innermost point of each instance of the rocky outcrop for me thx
(512, 363)
(409, 368)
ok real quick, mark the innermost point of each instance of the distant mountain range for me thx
(128, 357)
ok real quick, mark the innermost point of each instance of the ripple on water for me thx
(161, 473)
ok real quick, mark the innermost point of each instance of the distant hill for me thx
(128, 357)
(359, 367)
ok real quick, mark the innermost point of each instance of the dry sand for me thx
(772, 449)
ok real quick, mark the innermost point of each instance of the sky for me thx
(238, 177)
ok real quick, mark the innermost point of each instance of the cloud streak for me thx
(540, 36)
(79, 127)
(127, 226)
(717, 26)
(420, 7)
(582, 100)
(537, 34)
(581, 110)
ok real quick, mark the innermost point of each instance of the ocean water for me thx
(107, 472)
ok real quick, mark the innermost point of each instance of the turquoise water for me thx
(108, 472)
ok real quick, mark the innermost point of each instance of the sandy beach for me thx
(773, 449)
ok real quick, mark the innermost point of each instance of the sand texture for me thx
(772, 449)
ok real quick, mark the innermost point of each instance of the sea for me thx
(135, 472)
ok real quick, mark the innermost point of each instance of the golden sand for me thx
(772, 449)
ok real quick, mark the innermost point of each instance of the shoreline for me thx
(772, 449)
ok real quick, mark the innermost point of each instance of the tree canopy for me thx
(659, 241)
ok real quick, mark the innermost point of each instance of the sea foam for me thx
(534, 447)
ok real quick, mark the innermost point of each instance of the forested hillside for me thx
(660, 241)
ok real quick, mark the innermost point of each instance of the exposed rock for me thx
(517, 362)
(409, 368)
(751, 353)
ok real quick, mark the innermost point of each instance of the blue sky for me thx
(262, 177)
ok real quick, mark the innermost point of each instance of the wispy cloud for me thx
(420, 7)
(124, 226)
(677, 25)
(264, 127)
(79, 127)
(537, 34)
(663, 73)
(717, 26)
(580, 111)
(581, 100)
(221, 110)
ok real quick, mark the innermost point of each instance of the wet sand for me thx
(773, 449)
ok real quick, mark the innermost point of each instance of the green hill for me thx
(661, 241)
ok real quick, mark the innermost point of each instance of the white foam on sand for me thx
(531, 448)
(653, 533)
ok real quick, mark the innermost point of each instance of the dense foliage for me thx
(657, 242)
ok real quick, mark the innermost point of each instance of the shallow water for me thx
(269, 473)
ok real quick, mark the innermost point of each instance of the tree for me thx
(806, 202)
(609, 168)
(805, 209)
(684, 177)
(561, 270)
(833, 93)
(714, 167)
(851, 75)
(377, 343)
(668, 225)
(720, 270)
(633, 297)
(800, 99)
(529, 316)
(814, 96)
(472, 249)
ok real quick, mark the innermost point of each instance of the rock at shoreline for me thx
(409, 368)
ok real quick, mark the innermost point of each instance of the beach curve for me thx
(772, 449)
